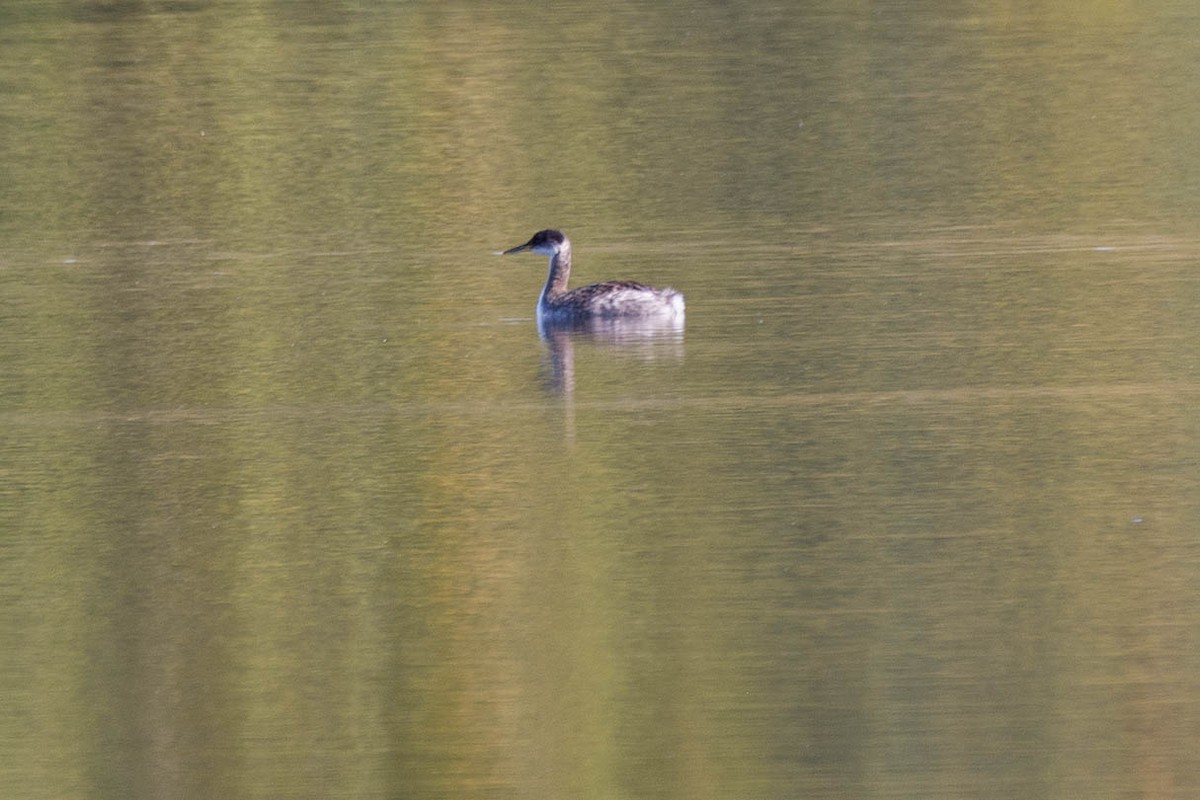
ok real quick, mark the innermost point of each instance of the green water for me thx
(296, 502)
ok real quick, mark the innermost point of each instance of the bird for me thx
(607, 300)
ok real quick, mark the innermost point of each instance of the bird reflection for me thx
(647, 339)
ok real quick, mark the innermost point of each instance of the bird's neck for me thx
(560, 270)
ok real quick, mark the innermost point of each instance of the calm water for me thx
(296, 503)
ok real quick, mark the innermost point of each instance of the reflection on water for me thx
(288, 510)
(644, 338)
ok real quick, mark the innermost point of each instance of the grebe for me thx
(606, 300)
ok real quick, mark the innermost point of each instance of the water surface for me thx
(297, 502)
